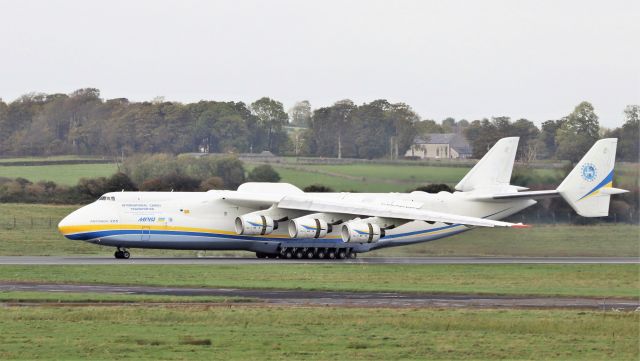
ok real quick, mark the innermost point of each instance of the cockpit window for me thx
(105, 198)
(102, 198)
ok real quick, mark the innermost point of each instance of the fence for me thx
(29, 222)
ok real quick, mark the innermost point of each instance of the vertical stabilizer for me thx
(589, 186)
(494, 169)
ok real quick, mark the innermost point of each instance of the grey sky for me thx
(466, 59)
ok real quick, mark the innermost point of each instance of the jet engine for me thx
(254, 224)
(306, 227)
(361, 232)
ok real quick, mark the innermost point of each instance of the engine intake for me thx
(361, 232)
(308, 228)
(254, 224)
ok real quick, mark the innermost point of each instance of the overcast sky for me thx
(465, 59)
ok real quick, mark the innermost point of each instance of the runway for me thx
(342, 298)
(92, 260)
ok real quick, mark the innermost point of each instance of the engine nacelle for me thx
(254, 224)
(308, 228)
(361, 232)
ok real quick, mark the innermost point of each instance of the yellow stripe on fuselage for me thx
(67, 230)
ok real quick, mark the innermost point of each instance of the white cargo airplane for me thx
(280, 220)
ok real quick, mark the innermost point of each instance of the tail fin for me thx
(494, 168)
(588, 188)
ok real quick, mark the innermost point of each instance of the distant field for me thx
(313, 333)
(590, 280)
(561, 240)
(347, 177)
(68, 174)
(400, 178)
(52, 158)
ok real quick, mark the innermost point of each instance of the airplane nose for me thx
(67, 222)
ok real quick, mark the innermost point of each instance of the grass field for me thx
(560, 240)
(51, 158)
(257, 333)
(401, 178)
(68, 174)
(543, 280)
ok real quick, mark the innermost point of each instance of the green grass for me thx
(543, 280)
(257, 333)
(608, 240)
(52, 158)
(88, 297)
(61, 174)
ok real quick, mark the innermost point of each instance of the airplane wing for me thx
(312, 204)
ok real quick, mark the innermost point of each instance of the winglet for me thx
(520, 225)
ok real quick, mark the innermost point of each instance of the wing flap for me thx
(516, 195)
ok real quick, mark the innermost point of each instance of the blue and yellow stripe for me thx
(607, 182)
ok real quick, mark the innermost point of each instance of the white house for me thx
(440, 146)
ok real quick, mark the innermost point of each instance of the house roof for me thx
(455, 141)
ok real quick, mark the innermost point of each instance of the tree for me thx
(427, 126)
(528, 143)
(263, 173)
(630, 137)
(300, 114)
(272, 118)
(547, 138)
(482, 135)
(578, 132)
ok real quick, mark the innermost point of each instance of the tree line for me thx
(85, 124)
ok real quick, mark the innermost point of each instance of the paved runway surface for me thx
(27, 260)
(343, 299)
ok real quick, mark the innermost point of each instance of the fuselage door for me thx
(146, 233)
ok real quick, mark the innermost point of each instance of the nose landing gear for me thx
(122, 254)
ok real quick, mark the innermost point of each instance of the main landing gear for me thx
(311, 253)
(122, 254)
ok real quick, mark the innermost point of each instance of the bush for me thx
(318, 188)
(263, 173)
(435, 188)
(146, 167)
(172, 182)
(212, 183)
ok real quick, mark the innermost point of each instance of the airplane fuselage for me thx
(205, 221)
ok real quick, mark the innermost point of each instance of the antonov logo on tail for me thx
(275, 219)
(589, 172)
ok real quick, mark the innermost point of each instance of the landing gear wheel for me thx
(353, 255)
(126, 254)
(310, 254)
(342, 254)
(331, 255)
(321, 255)
(261, 255)
(118, 254)
(299, 254)
(288, 255)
